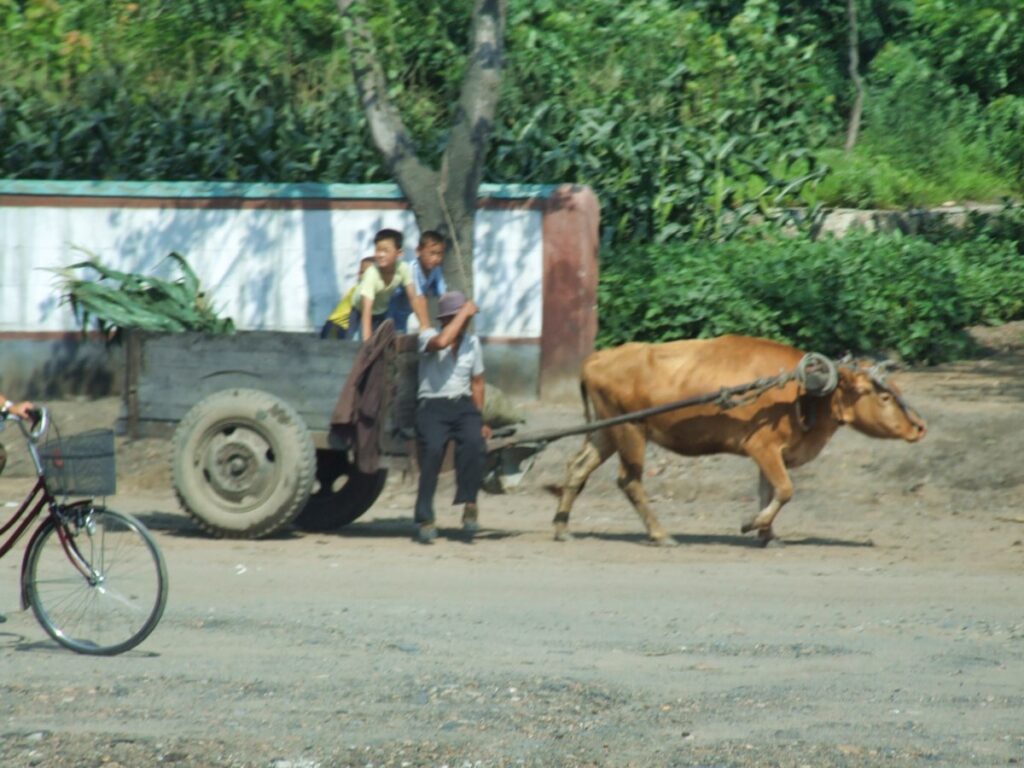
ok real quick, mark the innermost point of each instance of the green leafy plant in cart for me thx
(116, 300)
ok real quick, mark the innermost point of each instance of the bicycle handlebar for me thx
(40, 418)
(40, 422)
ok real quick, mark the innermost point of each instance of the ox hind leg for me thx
(597, 447)
(632, 445)
(774, 489)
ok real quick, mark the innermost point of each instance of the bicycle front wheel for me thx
(96, 581)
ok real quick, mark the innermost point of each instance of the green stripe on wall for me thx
(201, 189)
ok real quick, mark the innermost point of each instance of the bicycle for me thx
(94, 578)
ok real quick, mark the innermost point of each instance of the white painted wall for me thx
(267, 269)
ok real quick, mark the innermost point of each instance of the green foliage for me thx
(244, 90)
(925, 141)
(670, 119)
(866, 292)
(116, 300)
(690, 120)
(228, 131)
(1002, 226)
(861, 179)
(867, 178)
(975, 43)
(671, 291)
(1004, 122)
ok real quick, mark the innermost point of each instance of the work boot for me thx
(471, 518)
(426, 533)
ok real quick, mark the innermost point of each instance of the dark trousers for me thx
(399, 310)
(333, 331)
(355, 323)
(439, 420)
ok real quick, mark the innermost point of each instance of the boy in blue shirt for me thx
(427, 278)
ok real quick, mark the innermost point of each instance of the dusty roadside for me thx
(888, 632)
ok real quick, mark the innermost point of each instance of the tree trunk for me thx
(853, 128)
(444, 199)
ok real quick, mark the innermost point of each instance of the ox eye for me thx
(885, 397)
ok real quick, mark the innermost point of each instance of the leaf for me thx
(125, 300)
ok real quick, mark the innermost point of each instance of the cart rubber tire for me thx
(331, 507)
(243, 463)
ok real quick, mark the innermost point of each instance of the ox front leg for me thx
(596, 449)
(774, 489)
(630, 481)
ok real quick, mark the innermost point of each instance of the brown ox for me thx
(783, 427)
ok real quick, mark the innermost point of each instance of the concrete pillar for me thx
(571, 239)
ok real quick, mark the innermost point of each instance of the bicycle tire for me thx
(101, 617)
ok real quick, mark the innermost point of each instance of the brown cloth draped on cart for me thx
(359, 414)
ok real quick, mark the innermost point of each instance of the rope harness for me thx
(816, 374)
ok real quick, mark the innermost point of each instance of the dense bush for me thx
(893, 293)
(978, 44)
(667, 115)
(1004, 126)
(687, 119)
(940, 132)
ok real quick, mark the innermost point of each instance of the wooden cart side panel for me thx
(399, 426)
(169, 373)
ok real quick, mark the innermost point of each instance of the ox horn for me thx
(880, 369)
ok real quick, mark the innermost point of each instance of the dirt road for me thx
(888, 632)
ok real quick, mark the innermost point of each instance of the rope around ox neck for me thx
(818, 374)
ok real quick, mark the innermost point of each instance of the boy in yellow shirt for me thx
(337, 325)
(387, 275)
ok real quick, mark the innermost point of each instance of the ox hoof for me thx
(664, 541)
(748, 526)
(563, 535)
(767, 540)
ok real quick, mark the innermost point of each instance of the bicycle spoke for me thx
(119, 604)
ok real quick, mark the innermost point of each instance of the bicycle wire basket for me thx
(80, 465)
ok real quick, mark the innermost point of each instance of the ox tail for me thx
(585, 397)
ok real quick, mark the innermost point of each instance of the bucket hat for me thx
(450, 303)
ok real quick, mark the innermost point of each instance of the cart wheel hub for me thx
(239, 464)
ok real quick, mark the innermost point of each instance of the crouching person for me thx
(451, 403)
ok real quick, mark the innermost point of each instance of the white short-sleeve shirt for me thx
(446, 374)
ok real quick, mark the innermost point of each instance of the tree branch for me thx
(468, 140)
(853, 128)
(444, 200)
(387, 128)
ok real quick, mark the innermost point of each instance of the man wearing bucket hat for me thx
(451, 403)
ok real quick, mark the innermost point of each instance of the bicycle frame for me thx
(30, 508)
(114, 594)
(38, 499)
